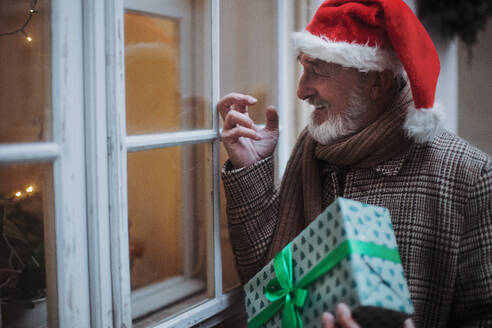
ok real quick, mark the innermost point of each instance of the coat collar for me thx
(393, 166)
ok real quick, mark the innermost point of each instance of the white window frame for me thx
(65, 229)
(88, 274)
(120, 144)
(158, 295)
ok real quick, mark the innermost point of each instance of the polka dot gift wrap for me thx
(348, 254)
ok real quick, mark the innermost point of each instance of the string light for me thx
(32, 11)
(29, 191)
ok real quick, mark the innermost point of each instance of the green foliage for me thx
(462, 18)
(22, 264)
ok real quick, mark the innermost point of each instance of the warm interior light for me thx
(18, 194)
(28, 38)
(30, 189)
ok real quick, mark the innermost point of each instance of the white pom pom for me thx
(424, 124)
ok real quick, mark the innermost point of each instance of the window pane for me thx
(168, 63)
(248, 65)
(25, 66)
(249, 51)
(26, 196)
(169, 208)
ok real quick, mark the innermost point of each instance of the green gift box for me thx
(347, 255)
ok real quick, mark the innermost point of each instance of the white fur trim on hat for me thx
(363, 57)
(424, 124)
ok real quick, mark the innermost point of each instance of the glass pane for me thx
(248, 65)
(168, 63)
(169, 207)
(26, 196)
(25, 66)
(248, 43)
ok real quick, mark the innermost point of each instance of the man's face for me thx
(338, 96)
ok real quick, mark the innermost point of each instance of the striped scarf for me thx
(300, 191)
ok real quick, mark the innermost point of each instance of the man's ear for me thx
(380, 83)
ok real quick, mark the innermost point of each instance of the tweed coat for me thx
(439, 198)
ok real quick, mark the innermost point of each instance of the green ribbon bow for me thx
(282, 292)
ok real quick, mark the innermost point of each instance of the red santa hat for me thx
(378, 35)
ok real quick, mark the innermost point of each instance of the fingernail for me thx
(343, 310)
(327, 316)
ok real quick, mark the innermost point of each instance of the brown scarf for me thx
(300, 191)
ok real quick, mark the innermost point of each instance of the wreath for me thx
(462, 18)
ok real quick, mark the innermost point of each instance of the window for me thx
(26, 211)
(168, 94)
(109, 143)
(248, 44)
(42, 169)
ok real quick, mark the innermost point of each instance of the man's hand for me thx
(245, 143)
(345, 319)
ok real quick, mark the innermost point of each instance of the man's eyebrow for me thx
(326, 67)
(312, 61)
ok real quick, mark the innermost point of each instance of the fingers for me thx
(328, 320)
(345, 317)
(229, 136)
(234, 118)
(240, 102)
(408, 323)
(346, 321)
(271, 119)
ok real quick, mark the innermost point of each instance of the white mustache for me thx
(318, 102)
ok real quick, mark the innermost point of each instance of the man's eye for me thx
(321, 72)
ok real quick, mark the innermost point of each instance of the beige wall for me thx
(475, 92)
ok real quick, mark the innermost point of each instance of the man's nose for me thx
(304, 89)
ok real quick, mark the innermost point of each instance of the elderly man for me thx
(370, 72)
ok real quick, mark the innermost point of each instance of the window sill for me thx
(159, 295)
(210, 313)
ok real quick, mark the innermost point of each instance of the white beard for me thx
(328, 131)
(341, 125)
